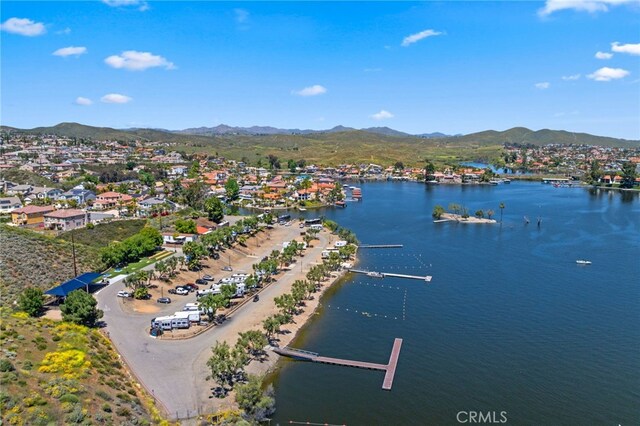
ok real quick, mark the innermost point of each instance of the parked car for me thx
(190, 287)
(163, 300)
(201, 281)
(208, 277)
(172, 291)
(227, 268)
(182, 291)
(123, 293)
(215, 256)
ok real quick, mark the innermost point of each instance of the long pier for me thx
(375, 274)
(389, 369)
(379, 246)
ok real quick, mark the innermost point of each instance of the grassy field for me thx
(133, 267)
(30, 259)
(59, 373)
(104, 233)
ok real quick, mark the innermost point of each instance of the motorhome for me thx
(340, 243)
(174, 321)
(191, 316)
(317, 227)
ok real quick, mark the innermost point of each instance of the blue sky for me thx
(452, 67)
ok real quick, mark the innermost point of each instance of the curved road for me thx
(174, 371)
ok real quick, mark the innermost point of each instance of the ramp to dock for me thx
(389, 369)
(375, 274)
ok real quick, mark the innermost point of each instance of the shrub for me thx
(69, 397)
(5, 365)
(102, 394)
(71, 363)
(76, 415)
(106, 408)
(28, 365)
(123, 412)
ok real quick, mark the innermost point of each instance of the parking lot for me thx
(174, 371)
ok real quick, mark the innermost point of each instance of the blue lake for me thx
(509, 323)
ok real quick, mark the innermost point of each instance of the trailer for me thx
(163, 323)
(191, 316)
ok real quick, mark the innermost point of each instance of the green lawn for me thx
(133, 267)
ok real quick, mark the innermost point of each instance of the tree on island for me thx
(489, 213)
(80, 307)
(438, 211)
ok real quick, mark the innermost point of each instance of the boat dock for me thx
(426, 278)
(389, 369)
(381, 246)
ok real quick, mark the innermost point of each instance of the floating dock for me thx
(389, 369)
(379, 246)
(374, 274)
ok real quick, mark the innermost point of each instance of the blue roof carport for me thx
(81, 281)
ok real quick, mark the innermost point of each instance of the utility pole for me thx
(73, 251)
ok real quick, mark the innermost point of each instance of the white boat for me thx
(375, 274)
(302, 209)
(583, 262)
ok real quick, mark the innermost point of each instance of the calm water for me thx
(509, 323)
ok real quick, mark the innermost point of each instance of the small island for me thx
(460, 213)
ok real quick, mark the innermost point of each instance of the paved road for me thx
(175, 370)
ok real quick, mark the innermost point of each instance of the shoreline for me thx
(451, 217)
(290, 332)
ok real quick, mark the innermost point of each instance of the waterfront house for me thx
(9, 204)
(65, 219)
(30, 215)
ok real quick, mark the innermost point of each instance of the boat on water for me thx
(352, 188)
(302, 209)
(375, 274)
(506, 180)
(341, 204)
(356, 193)
(494, 181)
(583, 262)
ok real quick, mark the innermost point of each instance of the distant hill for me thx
(337, 145)
(522, 135)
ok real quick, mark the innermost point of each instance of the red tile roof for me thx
(65, 213)
(34, 209)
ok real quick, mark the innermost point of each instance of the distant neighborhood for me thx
(62, 183)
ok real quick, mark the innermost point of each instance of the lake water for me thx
(509, 323)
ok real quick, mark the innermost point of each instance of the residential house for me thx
(65, 219)
(81, 196)
(30, 215)
(42, 193)
(9, 204)
(147, 205)
(109, 200)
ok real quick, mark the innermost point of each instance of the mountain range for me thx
(272, 136)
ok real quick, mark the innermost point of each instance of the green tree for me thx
(232, 189)
(81, 308)
(438, 211)
(253, 341)
(187, 226)
(501, 209)
(255, 403)
(31, 300)
(429, 170)
(194, 251)
(215, 209)
(628, 175)
(271, 325)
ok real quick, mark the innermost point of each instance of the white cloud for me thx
(241, 15)
(70, 51)
(419, 36)
(604, 55)
(138, 61)
(543, 85)
(83, 101)
(141, 4)
(631, 49)
(66, 31)
(115, 98)
(314, 90)
(591, 6)
(382, 115)
(23, 26)
(571, 77)
(608, 74)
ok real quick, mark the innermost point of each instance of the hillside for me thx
(341, 144)
(103, 234)
(523, 135)
(18, 176)
(31, 259)
(59, 373)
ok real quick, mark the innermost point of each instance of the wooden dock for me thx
(389, 369)
(375, 274)
(379, 246)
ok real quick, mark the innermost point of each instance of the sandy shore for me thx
(471, 219)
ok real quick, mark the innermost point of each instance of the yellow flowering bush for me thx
(71, 363)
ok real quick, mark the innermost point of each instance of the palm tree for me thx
(501, 208)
